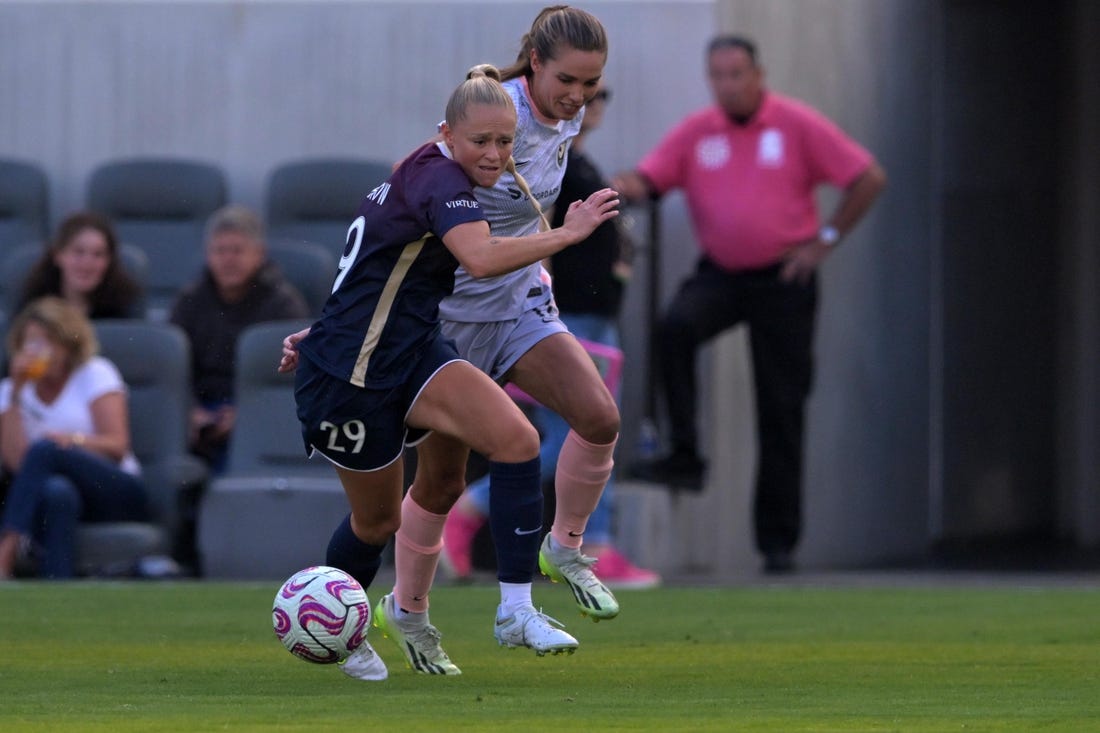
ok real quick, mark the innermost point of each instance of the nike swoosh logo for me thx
(575, 534)
(521, 163)
(527, 531)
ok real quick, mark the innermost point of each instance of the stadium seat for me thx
(310, 267)
(153, 359)
(17, 265)
(273, 510)
(315, 200)
(24, 204)
(160, 205)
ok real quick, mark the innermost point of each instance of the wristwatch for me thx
(829, 235)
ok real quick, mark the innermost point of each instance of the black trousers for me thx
(780, 317)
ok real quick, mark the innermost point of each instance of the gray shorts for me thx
(494, 347)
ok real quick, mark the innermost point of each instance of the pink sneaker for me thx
(458, 540)
(616, 571)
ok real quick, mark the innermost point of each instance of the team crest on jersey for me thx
(561, 153)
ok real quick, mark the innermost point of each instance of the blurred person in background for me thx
(64, 439)
(238, 287)
(750, 165)
(82, 266)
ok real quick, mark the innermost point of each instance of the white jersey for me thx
(71, 411)
(540, 152)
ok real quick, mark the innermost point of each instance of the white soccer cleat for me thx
(533, 629)
(365, 664)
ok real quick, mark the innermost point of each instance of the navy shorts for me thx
(363, 429)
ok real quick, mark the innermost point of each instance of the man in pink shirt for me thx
(749, 166)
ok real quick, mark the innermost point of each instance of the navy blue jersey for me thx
(384, 306)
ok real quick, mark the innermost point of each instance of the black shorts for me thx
(363, 429)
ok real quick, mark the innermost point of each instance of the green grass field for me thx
(202, 657)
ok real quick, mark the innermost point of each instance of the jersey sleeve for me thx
(99, 377)
(450, 201)
(833, 157)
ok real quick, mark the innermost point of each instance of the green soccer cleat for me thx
(418, 642)
(569, 566)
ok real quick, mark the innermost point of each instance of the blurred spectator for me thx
(64, 439)
(749, 166)
(82, 266)
(588, 289)
(238, 287)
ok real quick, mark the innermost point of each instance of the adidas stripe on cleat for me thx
(569, 566)
(418, 642)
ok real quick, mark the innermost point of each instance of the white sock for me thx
(556, 547)
(514, 596)
(408, 618)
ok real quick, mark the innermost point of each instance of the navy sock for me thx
(355, 557)
(515, 518)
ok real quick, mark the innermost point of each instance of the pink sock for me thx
(416, 554)
(583, 469)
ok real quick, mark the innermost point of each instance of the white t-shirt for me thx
(71, 412)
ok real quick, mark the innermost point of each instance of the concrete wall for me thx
(249, 85)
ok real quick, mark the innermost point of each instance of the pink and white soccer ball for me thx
(321, 614)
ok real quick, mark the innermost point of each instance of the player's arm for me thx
(633, 186)
(483, 255)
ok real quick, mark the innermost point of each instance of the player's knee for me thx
(518, 444)
(375, 528)
(599, 423)
(449, 488)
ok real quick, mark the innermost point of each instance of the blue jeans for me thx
(553, 429)
(56, 488)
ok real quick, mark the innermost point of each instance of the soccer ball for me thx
(321, 614)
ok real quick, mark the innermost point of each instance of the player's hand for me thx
(289, 360)
(801, 261)
(582, 217)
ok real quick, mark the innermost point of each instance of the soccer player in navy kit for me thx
(374, 374)
(509, 328)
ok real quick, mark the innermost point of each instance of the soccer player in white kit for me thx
(508, 327)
